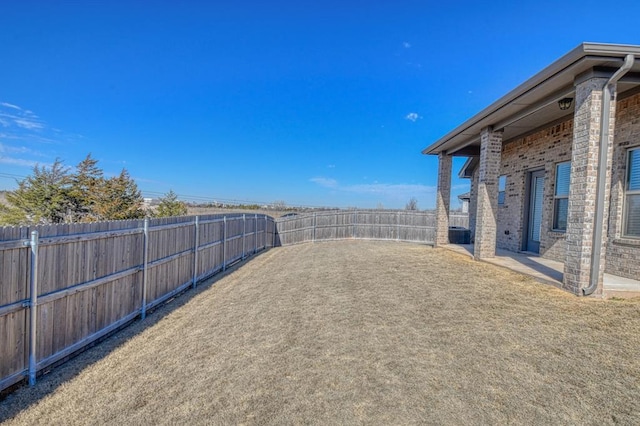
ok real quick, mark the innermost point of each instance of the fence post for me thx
(224, 244)
(255, 236)
(273, 241)
(355, 219)
(353, 224)
(145, 268)
(33, 307)
(398, 226)
(195, 252)
(315, 222)
(244, 232)
(264, 234)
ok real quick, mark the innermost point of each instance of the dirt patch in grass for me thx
(357, 332)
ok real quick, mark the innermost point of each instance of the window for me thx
(632, 195)
(502, 185)
(561, 196)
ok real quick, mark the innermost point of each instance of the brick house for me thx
(555, 167)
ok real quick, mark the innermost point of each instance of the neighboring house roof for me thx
(534, 102)
(465, 196)
(466, 172)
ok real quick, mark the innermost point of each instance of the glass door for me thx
(534, 220)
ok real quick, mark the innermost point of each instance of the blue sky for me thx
(320, 103)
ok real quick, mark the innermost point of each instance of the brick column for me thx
(487, 203)
(584, 180)
(443, 199)
(473, 203)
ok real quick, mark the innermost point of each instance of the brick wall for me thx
(540, 150)
(623, 253)
(545, 148)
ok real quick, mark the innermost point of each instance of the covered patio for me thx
(548, 271)
(553, 166)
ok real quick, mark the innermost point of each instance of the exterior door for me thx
(534, 219)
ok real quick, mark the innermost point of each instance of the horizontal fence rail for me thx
(64, 286)
(401, 225)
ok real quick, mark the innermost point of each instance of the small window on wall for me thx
(561, 196)
(632, 195)
(502, 186)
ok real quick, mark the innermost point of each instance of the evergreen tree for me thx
(119, 199)
(42, 198)
(170, 206)
(86, 185)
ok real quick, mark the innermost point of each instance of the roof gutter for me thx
(605, 118)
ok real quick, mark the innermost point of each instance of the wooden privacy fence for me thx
(401, 225)
(64, 286)
(459, 219)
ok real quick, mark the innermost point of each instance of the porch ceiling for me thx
(534, 103)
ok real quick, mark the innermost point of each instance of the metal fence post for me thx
(315, 222)
(355, 218)
(33, 307)
(398, 226)
(274, 228)
(355, 224)
(255, 236)
(224, 243)
(244, 233)
(195, 252)
(145, 268)
(264, 234)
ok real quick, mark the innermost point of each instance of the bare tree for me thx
(412, 204)
(279, 205)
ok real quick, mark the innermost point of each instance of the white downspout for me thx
(605, 118)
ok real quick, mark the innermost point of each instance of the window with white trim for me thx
(632, 195)
(502, 186)
(561, 196)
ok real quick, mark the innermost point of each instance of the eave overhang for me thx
(534, 103)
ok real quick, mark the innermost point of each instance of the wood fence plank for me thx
(45, 331)
(60, 324)
(89, 277)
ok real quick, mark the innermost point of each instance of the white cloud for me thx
(461, 186)
(17, 161)
(28, 124)
(24, 119)
(24, 125)
(145, 180)
(15, 156)
(8, 149)
(412, 116)
(331, 166)
(406, 44)
(392, 190)
(8, 105)
(27, 138)
(325, 182)
(401, 190)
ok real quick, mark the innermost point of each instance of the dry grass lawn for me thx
(356, 332)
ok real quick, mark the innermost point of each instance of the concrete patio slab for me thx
(549, 271)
